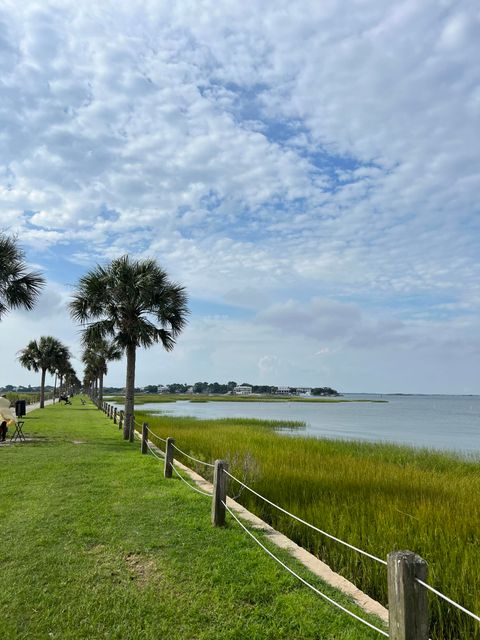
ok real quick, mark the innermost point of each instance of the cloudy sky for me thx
(310, 171)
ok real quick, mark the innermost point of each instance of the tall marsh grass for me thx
(378, 497)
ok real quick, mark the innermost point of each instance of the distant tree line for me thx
(324, 391)
(216, 388)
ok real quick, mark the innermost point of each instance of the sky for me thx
(309, 171)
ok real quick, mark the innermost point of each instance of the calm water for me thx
(440, 422)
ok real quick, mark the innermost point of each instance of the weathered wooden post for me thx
(407, 600)
(115, 416)
(145, 437)
(220, 484)
(167, 472)
(120, 421)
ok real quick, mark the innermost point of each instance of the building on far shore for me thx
(304, 391)
(242, 390)
(283, 391)
(161, 388)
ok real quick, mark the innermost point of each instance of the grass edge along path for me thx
(96, 544)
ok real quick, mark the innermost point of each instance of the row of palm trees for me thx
(95, 357)
(49, 355)
(120, 307)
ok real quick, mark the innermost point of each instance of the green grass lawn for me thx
(96, 544)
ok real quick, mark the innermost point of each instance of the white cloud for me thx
(262, 153)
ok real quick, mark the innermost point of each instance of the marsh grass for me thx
(378, 497)
(30, 396)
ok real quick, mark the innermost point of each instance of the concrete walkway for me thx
(36, 405)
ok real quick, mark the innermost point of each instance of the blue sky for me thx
(309, 171)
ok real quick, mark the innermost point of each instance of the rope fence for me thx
(207, 464)
(204, 493)
(328, 535)
(154, 453)
(305, 582)
(155, 435)
(407, 604)
(447, 599)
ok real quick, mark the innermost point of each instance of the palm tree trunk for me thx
(42, 389)
(128, 428)
(100, 391)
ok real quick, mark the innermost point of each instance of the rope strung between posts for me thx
(447, 599)
(204, 493)
(208, 464)
(154, 434)
(310, 586)
(154, 453)
(307, 524)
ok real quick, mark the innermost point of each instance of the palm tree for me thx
(18, 287)
(96, 356)
(65, 372)
(134, 303)
(45, 355)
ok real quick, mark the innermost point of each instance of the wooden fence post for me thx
(167, 472)
(115, 416)
(220, 483)
(407, 600)
(120, 421)
(145, 437)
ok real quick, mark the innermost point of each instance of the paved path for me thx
(36, 405)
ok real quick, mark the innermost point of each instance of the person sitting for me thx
(3, 430)
(64, 399)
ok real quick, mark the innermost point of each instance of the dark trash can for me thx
(20, 408)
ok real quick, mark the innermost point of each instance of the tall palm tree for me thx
(18, 287)
(134, 303)
(65, 372)
(96, 356)
(45, 355)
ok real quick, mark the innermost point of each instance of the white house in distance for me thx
(162, 389)
(242, 390)
(304, 391)
(283, 391)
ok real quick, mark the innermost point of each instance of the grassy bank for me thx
(174, 397)
(96, 544)
(378, 497)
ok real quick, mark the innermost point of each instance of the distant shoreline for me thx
(198, 398)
